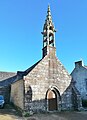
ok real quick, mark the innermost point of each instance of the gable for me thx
(49, 72)
(80, 70)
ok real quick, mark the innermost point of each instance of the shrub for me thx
(26, 114)
(84, 103)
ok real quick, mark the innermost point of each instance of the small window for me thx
(29, 94)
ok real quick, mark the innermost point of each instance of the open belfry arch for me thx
(45, 86)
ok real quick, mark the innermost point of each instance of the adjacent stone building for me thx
(46, 86)
(79, 75)
(6, 79)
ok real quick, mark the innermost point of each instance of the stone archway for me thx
(53, 99)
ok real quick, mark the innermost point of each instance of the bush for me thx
(84, 103)
(26, 114)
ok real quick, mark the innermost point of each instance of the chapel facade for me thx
(46, 86)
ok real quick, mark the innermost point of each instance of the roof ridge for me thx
(7, 72)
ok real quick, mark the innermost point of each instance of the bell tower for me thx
(48, 35)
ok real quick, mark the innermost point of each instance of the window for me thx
(29, 94)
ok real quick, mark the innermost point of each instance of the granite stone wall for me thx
(79, 75)
(45, 83)
(17, 94)
(49, 73)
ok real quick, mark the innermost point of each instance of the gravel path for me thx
(60, 116)
(11, 114)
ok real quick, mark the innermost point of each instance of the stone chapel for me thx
(46, 86)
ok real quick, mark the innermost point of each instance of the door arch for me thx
(53, 99)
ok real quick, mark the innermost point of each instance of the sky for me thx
(21, 24)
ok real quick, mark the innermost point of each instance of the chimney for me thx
(78, 63)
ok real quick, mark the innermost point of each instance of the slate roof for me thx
(6, 78)
(20, 74)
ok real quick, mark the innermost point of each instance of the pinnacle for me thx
(49, 12)
(48, 8)
(49, 17)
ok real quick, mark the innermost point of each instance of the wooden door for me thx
(52, 101)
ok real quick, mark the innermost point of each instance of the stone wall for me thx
(49, 73)
(17, 94)
(66, 99)
(6, 79)
(45, 82)
(79, 75)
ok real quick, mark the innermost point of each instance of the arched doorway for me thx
(52, 100)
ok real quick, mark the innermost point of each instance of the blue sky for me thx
(21, 24)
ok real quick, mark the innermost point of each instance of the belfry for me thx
(48, 34)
